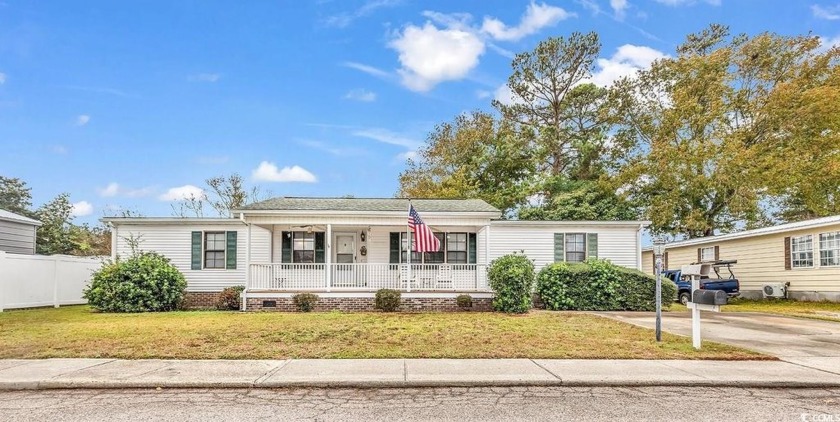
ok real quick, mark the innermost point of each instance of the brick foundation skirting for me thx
(201, 300)
(362, 304)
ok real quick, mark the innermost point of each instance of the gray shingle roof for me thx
(10, 216)
(371, 204)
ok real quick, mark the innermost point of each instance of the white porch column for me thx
(247, 267)
(328, 258)
(486, 254)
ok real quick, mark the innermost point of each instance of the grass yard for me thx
(77, 332)
(828, 311)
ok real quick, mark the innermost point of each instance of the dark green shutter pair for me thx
(230, 253)
(286, 247)
(560, 246)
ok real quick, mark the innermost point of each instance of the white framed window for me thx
(802, 251)
(575, 247)
(707, 254)
(214, 250)
(303, 247)
(456, 248)
(830, 249)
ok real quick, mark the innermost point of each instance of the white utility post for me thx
(658, 251)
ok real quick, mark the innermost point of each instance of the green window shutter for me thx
(394, 256)
(286, 247)
(592, 245)
(471, 247)
(559, 247)
(230, 255)
(195, 261)
(319, 247)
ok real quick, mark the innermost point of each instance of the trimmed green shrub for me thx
(305, 302)
(230, 299)
(599, 285)
(387, 300)
(512, 279)
(464, 301)
(146, 282)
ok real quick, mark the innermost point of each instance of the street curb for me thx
(112, 385)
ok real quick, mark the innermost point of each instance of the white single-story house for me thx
(345, 249)
(17, 233)
(801, 259)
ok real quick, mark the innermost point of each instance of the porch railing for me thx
(369, 277)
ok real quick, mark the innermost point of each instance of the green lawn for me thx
(829, 311)
(78, 332)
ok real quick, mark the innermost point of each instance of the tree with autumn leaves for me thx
(733, 131)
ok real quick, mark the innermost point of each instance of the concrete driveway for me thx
(807, 342)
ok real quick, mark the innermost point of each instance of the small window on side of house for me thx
(707, 254)
(575, 247)
(802, 251)
(214, 250)
(830, 249)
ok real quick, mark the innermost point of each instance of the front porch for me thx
(367, 277)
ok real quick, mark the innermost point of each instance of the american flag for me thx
(424, 239)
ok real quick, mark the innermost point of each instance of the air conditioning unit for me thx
(774, 290)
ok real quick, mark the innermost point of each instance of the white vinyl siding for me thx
(616, 244)
(830, 249)
(802, 251)
(173, 241)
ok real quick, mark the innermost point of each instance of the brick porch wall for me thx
(364, 304)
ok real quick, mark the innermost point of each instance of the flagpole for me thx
(408, 245)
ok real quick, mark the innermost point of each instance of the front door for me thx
(345, 250)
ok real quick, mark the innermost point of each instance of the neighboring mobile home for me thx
(344, 249)
(17, 233)
(805, 254)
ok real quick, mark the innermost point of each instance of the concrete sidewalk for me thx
(362, 373)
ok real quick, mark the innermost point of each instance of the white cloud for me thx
(827, 43)
(619, 7)
(82, 208)
(430, 55)
(204, 77)
(360, 95)
(675, 3)
(182, 192)
(82, 120)
(408, 155)
(268, 172)
(114, 189)
(387, 137)
(2, 78)
(504, 95)
(370, 70)
(342, 20)
(483, 94)
(110, 191)
(831, 13)
(536, 17)
(626, 61)
(58, 149)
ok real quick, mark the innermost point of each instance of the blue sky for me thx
(129, 104)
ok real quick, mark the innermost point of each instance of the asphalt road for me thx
(461, 404)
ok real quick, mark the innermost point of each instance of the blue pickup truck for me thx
(728, 283)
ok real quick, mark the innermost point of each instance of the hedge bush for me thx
(230, 299)
(145, 282)
(305, 302)
(599, 285)
(387, 300)
(464, 301)
(512, 279)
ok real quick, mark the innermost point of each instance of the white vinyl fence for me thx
(29, 281)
